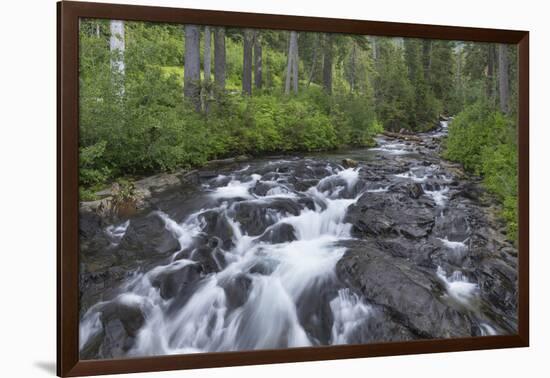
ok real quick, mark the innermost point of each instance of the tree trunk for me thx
(313, 60)
(491, 73)
(288, 67)
(295, 64)
(207, 67)
(258, 60)
(191, 80)
(219, 58)
(352, 67)
(247, 61)
(459, 68)
(327, 64)
(207, 54)
(292, 64)
(504, 90)
(374, 48)
(427, 57)
(117, 47)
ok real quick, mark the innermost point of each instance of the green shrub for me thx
(92, 168)
(484, 141)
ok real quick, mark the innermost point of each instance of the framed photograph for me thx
(238, 188)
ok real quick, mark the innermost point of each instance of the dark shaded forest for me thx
(160, 97)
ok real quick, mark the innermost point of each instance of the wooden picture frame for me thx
(68, 14)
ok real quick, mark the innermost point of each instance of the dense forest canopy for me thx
(156, 97)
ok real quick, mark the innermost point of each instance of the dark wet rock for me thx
(453, 225)
(470, 191)
(172, 281)
(219, 181)
(121, 320)
(315, 313)
(116, 342)
(127, 312)
(147, 236)
(338, 185)
(349, 163)
(377, 214)
(307, 203)
(415, 190)
(261, 188)
(216, 224)
(211, 259)
(89, 224)
(304, 185)
(256, 216)
(498, 287)
(90, 350)
(236, 290)
(409, 295)
(279, 233)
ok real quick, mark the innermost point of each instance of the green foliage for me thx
(423, 107)
(90, 157)
(124, 194)
(393, 90)
(484, 141)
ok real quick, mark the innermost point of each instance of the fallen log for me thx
(412, 138)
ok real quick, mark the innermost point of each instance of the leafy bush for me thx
(92, 171)
(484, 141)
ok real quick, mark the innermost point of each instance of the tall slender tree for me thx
(295, 65)
(352, 66)
(219, 58)
(191, 81)
(427, 46)
(258, 62)
(207, 58)
(207, 54)
(292, 64)
(327, 63)
(117, 46)
(248, 39)
(117, 49)
(503, 77)
(313, 59)
(491, 63)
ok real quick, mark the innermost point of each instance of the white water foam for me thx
(115, 233)
(458, 287)
(459, 246)
(349, 312)
(439, 196)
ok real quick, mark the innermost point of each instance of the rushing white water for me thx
(412, 176)
(382, 189)
(487, 330)
(270, 316)
(458, 287)
(439, 196)
(459, 246)
(349, 312)
(115, 233)
(392, 148)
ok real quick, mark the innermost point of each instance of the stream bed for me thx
(395, 244)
